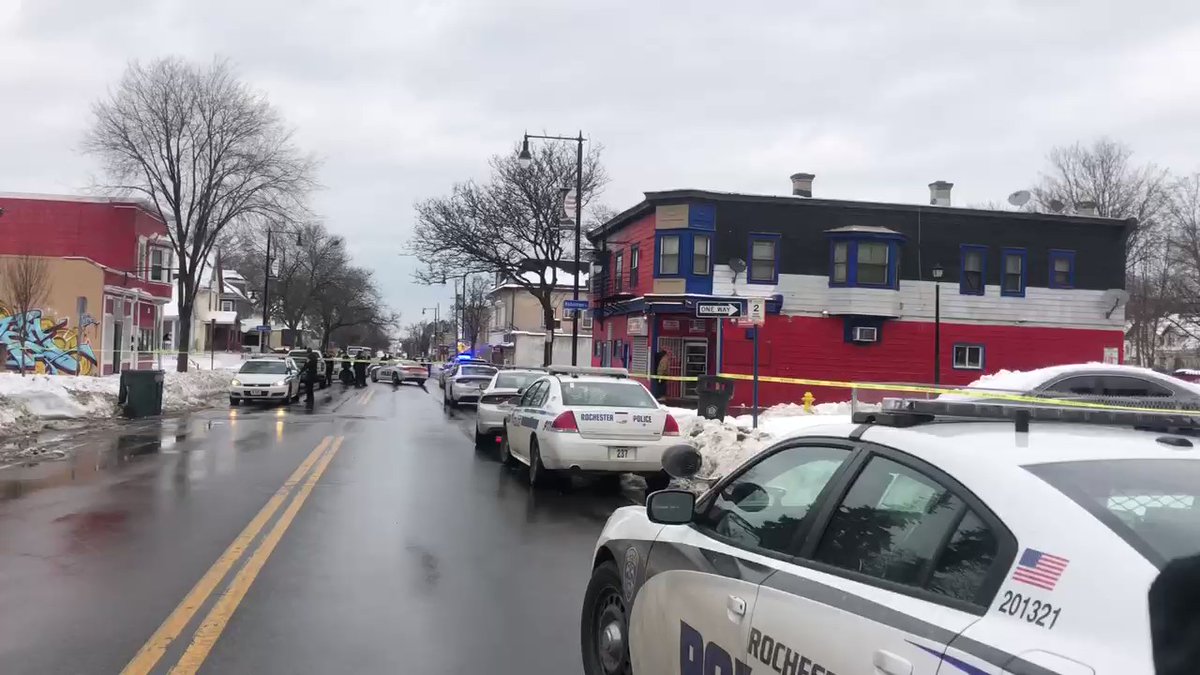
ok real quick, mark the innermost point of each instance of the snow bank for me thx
(724, 444)
(28, 403)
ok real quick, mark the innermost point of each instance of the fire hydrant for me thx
(808, 399)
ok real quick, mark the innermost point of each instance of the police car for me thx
(588, 420)
(917, 540)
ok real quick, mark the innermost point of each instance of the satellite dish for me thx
(737, 265)
(1019, 198)
(1056, 206)
(1114, 298)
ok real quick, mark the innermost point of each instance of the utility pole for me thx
(264, 337)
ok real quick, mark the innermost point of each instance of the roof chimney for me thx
(802, 184)
(1085, 208)
(939, 193)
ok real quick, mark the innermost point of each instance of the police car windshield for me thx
(617, 394)
(1153, 504)
(515, 380)
(265, 366)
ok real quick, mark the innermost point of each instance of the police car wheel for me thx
(481, 441)
(539, 475)
(604, 625)
(506, 455)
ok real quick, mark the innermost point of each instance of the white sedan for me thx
(495, 402)
(266, 379)
(465, 383)
(588, 420)
(912, 542)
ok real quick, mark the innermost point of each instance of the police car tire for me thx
(539, 475)
(605, 582)
(506, 456)
(480, 440)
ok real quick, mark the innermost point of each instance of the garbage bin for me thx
(141, 393)
(713, 394)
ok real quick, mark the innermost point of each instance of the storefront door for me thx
(695, 363)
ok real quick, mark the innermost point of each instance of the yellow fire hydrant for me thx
(808, 399)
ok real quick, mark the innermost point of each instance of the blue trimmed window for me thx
(763, 259)
(634, 259)
(865, 263)
(666, 263)
(701, 254)
(968, 357)
(1013, 264)
(1062, 268)
(972, 276)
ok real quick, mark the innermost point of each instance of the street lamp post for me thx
(263, 336)
(937, 272)
(436, 326)
(525, 160)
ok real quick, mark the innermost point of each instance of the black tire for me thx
(233, 400)
(539, 475)
(605, 617)
(506, 456)
(657, 481)
(481, 441)
(609, 482)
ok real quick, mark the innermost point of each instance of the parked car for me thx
(1093, 382)
(448, 367)
(403, 371)
(495, 402)
(268, 378)
(466, 382)
(300, 356)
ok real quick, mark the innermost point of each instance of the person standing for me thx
(330, 363)
(310, 375)
(662, 368)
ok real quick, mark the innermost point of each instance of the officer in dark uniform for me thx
(330, 363)
(360, 370)
(310, 375)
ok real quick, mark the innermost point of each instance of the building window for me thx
(586, 324)
(974, 267)
(226, 305)
(968, 357)
(618, 272)
(158, 265)
(1062, 269)
(1012, 283)
(668, 255)
(840, 274)
(634, 256)
(764, 259)
(872, 263)
(701, 253)
(140, 267)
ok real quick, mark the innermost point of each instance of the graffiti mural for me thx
(48, 346)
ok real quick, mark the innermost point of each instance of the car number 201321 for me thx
(1036, 612)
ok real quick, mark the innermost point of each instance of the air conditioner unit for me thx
(866, 334)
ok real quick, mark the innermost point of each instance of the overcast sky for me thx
(401, 99)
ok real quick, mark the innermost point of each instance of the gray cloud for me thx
(403, 99)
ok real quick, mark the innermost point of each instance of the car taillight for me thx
(670, 426)
(565, 422)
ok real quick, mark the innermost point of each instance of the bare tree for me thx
(205, 151)
(24, 286)
(349, 299)
(511, 226)
(474, 306)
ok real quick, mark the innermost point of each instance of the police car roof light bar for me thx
(576, 371)
(908, 412)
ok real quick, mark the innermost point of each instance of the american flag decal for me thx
(1039, 569)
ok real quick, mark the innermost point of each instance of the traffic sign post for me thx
(718, 308)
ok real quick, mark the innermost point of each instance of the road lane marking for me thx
(218, 617)
(174, 624)
(367, 397)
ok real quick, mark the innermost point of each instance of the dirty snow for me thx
(28, 403)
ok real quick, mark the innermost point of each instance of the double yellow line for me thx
(227, 602)
(365, 398)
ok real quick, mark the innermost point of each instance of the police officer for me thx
(329, 365)
(360, 370)
(310, 375)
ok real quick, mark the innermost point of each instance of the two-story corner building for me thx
(109, 263)
(518, 331)
(850, 288)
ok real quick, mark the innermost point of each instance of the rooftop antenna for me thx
(738, 266)
(1114, 298)
(1019, 198)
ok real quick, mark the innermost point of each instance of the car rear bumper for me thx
(570, 451)
(489, 419)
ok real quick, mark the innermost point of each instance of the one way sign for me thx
(711, 308)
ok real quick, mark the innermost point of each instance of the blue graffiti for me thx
(36, 343)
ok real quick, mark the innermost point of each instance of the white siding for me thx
(805, 294)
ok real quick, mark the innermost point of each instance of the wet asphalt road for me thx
(410, 553)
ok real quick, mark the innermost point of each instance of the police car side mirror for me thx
(671, 507)
(681, 461)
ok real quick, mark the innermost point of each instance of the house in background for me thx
(109, 261)
(849, 288)
(518, 330)
(1177, 346)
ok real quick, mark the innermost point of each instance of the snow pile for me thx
(28, 403)
(724, 444)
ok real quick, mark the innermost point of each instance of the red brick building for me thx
(110, 274)
(849, 288)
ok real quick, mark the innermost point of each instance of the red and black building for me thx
(849, 288)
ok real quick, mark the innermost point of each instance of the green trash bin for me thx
(141, 393)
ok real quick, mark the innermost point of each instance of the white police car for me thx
(588, 420)
(910, 541)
